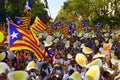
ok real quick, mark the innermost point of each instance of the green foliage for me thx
(15, 8)
(103, 11)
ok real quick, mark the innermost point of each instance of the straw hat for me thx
(1, 36)
(87, 50)
(111, 40)
(75, 76)
(80, 34)
(69, 56)
(17, 75)
(56, 40)
(67, 44)
(3, 67)
(106, 35)
(31, 65)
(57, 65)
(47, 43)
(93, 73)
(98, 55)
(82, 46)
(2, 56)
(49, 38)
(95, 62)
(81, 59)
(115, 61)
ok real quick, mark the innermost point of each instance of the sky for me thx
(54, 7)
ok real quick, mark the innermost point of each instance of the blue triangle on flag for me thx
(14, 34)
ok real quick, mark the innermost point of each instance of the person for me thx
(66, 76)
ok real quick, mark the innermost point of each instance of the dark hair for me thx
(106, 74)
(43, 74)
(71, 71)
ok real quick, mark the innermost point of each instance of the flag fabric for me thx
(48, 17)
(38, 25)
(65, 31)
(84, 24)
(18, 21)
(71, 30)
(50, 54)
(8, 18)
(34, 37)
(28, 5)
(97, 25)
(78, 28)
(21, 39)
(46, 4)
(23, 21)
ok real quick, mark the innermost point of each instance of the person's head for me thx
(44, 65)
(43, 74)
(58, 56)
(71, 71)
(106, 75)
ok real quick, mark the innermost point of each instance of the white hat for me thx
(56, 40)
(75, 76)
(93, 73)
(95, 62)
(67, 44)
(98, 55)
(17, 75)
(87, 50)
(49, 38)
(31, 65)
(81, 59)
(2, 56)
(82, 46)
(3, 67)
(114, 61)
(69, 56)
(47, 43)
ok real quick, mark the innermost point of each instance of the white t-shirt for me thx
(65, 77)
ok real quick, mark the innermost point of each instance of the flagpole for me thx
(9, 43)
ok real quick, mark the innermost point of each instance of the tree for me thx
(15, 8)
(93, 10)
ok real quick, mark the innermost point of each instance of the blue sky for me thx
(55, 6)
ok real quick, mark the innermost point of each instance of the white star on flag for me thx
(14, 35)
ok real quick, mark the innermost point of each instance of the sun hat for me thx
(95, 62)
(47, 43)
(81, 59)
(2, 56)
(87, 50)
(17, 75)
(75, 76)
(98, 55)
(31, 65)
(3, 67)
(93, 73)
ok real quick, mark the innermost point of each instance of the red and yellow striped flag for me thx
(65, 31)
(38, 25)
(25, 21)
(21, 39)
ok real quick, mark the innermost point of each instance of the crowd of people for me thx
(86, 55)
